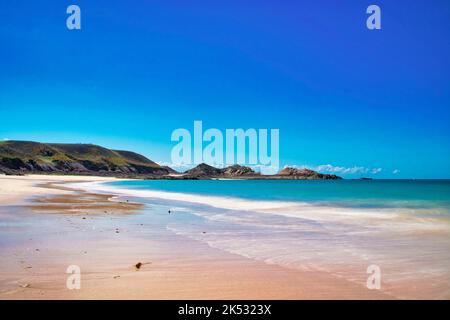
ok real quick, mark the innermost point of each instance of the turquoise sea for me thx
(352, 193)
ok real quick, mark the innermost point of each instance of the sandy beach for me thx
(46, 227)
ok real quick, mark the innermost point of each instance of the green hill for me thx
(35, 157)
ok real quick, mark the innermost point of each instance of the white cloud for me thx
(6, 139)
(343, 170)
(329, 168)
(396, 171)
(376, 170)
(179, 168)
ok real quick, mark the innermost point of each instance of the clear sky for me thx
(358, 100)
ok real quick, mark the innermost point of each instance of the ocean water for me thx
(351, 193)
(339, 227)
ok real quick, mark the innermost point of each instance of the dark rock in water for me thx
(237, 171)
(204, 170)
(306, 174)
(364, 178)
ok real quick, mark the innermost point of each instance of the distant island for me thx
(28, 157)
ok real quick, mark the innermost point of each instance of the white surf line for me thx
(214, 201)
(381, 218)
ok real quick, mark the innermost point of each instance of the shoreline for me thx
(390, 217)
(211, 250)
(179, 268)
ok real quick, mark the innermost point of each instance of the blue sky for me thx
(341, 95)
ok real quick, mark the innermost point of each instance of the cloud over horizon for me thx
(329, 168)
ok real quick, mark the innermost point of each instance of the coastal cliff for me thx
(20, 157)
(28, 157)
